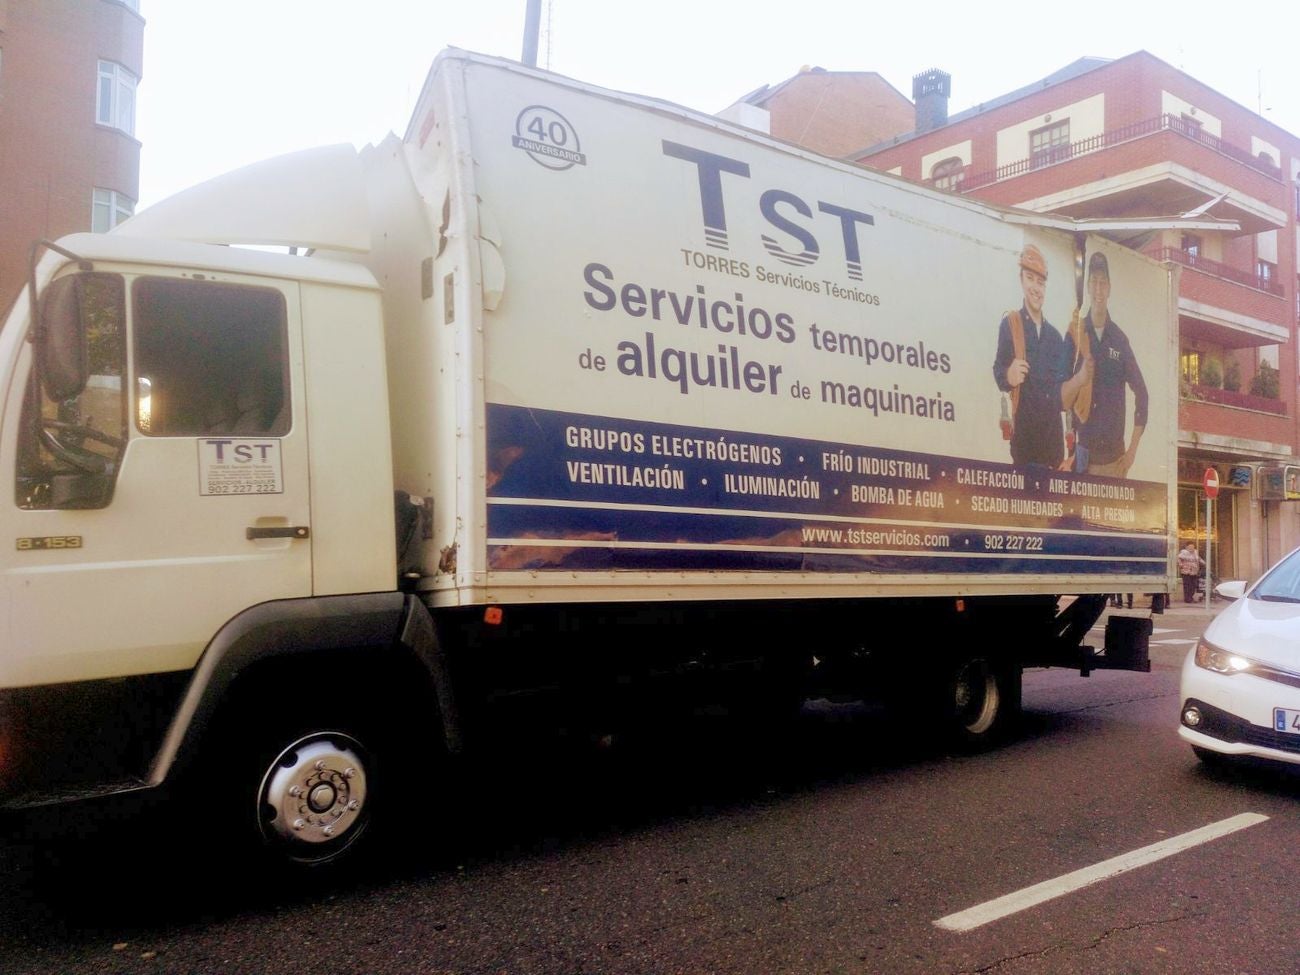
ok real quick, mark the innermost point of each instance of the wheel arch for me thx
(381, 630)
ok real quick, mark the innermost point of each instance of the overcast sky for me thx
(228, 82)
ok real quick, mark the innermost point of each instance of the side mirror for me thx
(1234, 589)
(61, 352)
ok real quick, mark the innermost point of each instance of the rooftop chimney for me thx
(930, 91)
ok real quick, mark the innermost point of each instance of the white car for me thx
(1241, 683)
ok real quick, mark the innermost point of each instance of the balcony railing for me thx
(1240, 276)
(1226, 397)
(1126, 133)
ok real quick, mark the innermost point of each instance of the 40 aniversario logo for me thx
(548, 137)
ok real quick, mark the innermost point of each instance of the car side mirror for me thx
(1233, 589)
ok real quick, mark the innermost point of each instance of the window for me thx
(115, 98)
(210, 358)
(948, 174)
(71, 443)
(1265, 274)
(1190, 367)
(1050, 144)
(1191, 246)
(108, 209)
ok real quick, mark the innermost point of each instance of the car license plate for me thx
(1286, 720)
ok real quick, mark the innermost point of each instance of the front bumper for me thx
(1236, 713)
(1228, 734)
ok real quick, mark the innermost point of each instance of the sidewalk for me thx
(1187, 614)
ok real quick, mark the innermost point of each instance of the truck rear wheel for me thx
(983, 701)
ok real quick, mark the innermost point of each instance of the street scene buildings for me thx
(1131, 137)
(1135, 137)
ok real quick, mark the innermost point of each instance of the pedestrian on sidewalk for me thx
(1190, 565)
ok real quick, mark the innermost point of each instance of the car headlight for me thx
(1218, 660)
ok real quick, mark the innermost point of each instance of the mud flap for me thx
(1128, 641)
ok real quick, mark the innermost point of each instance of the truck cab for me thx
(188, 432)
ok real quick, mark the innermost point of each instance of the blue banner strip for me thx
(615, 488)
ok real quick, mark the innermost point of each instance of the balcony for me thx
(1171, 123)
(1158, 167)
(1237, 400)
(1228, 306)
(1218, 270)
(1240, 421)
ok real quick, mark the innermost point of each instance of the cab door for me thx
(167, 495)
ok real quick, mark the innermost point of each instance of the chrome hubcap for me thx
(315, 791)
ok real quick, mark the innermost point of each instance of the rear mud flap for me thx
(1128, 640)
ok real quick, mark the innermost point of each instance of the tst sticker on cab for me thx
(232, 465)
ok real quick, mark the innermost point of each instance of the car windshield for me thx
(1282, 584)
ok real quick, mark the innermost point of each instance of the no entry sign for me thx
(1211, 482)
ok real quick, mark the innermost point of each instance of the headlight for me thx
(1220, 661)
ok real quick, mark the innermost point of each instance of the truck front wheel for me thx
(314, 800)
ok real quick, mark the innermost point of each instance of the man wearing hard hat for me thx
(1102, 406)
(1033, 367)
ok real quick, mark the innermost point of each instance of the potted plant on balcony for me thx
(1265, 382)
(1212, 374)
(1232, 376)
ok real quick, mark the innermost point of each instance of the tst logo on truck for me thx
(234, 466)
(711, 168)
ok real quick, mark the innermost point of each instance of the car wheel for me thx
(1212, 759)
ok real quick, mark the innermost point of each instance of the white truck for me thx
(567, 396)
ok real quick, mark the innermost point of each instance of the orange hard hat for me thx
(1031, 259)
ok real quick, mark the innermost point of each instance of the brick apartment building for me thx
(69, 160)
(1135, 137)
(831, 112)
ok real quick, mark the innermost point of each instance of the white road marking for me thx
(1029, 897)
(1172, 643)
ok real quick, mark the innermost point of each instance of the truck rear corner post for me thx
(669, 410)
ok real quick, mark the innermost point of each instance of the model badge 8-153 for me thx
(48, 542)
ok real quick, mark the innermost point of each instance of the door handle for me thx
(277, 531)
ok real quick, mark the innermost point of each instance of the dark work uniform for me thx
(1116, 367)
(1036, 435)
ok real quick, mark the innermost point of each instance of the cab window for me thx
(210, 359)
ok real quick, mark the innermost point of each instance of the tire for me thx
(289, 794)
(315, 796)
(982, 699)
(1212, 759)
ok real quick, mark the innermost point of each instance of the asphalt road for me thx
(836, 849)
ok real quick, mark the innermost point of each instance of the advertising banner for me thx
(713, 353)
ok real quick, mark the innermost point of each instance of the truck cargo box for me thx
(683, 354)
